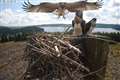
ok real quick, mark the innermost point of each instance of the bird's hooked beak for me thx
(79, 14)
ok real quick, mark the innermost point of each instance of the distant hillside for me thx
(24, 32)
(114, 26)
(4, 29)
(28, 29)
(54, 25)
(39, 28)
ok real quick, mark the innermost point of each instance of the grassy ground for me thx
(113, 66)
(12, 65)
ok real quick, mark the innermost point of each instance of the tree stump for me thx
(95, 53)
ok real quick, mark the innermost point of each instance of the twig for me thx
(94, 72)
(68, 45)
(68, 60)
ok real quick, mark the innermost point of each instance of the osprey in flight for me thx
(62, 8)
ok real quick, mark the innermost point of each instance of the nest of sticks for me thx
(51, 58)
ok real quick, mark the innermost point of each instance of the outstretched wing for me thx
(42, 7)
(71, 7)
(90, 25)
(83, 5)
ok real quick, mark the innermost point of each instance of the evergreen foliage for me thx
(115, 36)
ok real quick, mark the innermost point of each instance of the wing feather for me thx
(42, 7)
(83, 5)
(73, 7)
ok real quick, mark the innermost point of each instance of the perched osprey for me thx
(61, 8)
(80, 26)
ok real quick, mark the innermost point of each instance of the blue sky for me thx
(12, 14)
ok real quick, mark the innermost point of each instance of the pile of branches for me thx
(51, 58)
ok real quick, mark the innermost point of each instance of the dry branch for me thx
(61, 56)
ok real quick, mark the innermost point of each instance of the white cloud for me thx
(108, 14)
(10, 18)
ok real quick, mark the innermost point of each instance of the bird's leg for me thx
(64, 17)
(58, 17)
